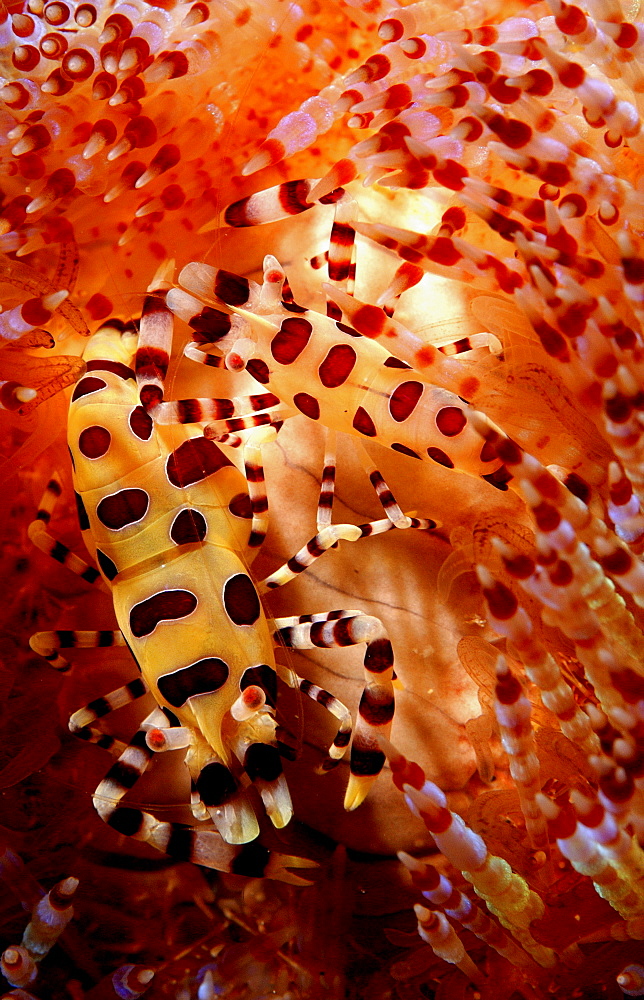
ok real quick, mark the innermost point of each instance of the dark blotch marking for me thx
(151, 362)
(141, 423)
(126, 821)
(404, 450)
(262, 677)
(215, 784)
(115, 367)
(379, 656)
(240, 600)
(88, 384)
(499, 479)
(124, 774)
(441, 458)
(578, 487)
(251, 860)
(291, 339)
(83, 519)
(125, 507)
(366, 762)
(231, 288)
(99, 707)
(363, 423)
(94, 441)
(258, 369)
(180, 844)
(376, 713)
(293, 196)
(189, 411)
(193, 461)
(209, 326)
(450, 420)
(404, 400)
(189, 526)
(337, 366)
(308, 405)
(202, 677)
(167, 605)
(395, 363)
(170, 716)
(108, 568)
(262, 761)
(488, 452)
(240, 506)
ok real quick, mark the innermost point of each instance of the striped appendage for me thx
(153, 353)
(47, 644)
(254, 472)
(327, 539)
(337, 374)
(218, 705)
(440, 891)
(49, 918)
(376, 709)
(56, 549)
(180, 842)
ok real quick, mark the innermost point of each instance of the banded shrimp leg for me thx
(377, 703)
(182, 842)
(439, 253)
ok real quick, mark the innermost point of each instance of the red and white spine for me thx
(435, 929)
(440, 892)
(50, 918)
(513, 712)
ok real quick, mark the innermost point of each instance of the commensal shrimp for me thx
(173, 525)
(322, 367)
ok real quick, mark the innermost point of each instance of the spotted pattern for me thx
(404, 400)
(337, 366)
(202, 677)
(363, 423)
(193, 461)
(94, 442)
(167, 605)
(141, 423)
(291, 339)
(87, 385)
(189, 526)
(450, 420)
(307, 404)
(125, 507)
(240, 600)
